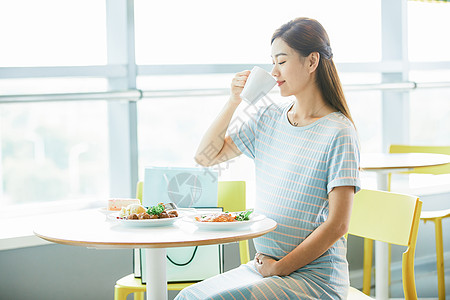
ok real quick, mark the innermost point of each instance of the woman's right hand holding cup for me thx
(237, 85)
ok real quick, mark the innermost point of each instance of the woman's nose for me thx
(274, 72)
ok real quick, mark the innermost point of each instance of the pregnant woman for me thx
(306, 157)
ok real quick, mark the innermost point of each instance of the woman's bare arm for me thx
(215, 147)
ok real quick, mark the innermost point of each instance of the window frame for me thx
(122, 71)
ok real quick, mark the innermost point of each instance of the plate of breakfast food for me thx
(139, 215)
(225, 220)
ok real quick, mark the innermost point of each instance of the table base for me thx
(382, 270)
(155, 269)
(382, 252)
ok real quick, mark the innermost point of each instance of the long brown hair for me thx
(306, 35)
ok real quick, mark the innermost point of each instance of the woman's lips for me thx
(280, 82)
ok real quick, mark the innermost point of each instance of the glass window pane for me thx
(365, 107)
(211, 32)
(428, 25)
(358, 78)
(52, 33)
(171, 128)
(430, 117)
(52, 152)
(430, 110)
(430, 76)
(52, 85)
(429, 122)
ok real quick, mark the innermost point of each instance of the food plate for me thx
(237, 225)
(143, 223)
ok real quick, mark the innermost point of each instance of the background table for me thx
(91, 229)
(383, 164)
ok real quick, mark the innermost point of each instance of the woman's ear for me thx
(313, 60)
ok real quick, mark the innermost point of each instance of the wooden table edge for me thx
(390, 168)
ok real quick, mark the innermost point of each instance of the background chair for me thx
(231, 196)
(434, 216)
(391, 218)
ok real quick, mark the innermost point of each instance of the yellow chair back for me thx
(392, 218)
(376, 214)
(139, 190)
(231, 195)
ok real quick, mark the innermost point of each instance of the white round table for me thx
(91, 229)
(383, 164)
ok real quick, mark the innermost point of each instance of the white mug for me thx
(258, 84)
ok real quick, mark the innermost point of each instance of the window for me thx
(430, 110)
(69, 138)
(53, 152)
(428, 25)
(52, 33)
(208, 32)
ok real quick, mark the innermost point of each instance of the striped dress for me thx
(296, 168)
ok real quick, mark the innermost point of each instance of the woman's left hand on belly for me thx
(265, 265)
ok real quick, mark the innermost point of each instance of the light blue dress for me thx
(296, 168)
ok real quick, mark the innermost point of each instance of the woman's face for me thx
(289, 68)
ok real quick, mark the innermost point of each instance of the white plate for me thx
(105, 211)
(237, 225)
(144, 223)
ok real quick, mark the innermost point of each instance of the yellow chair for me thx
(434, 216)
(231, 196)
(391, 218)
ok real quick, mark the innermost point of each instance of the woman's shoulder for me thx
(338, 125)
(339, 121)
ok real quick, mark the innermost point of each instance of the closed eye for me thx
(280, 63)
